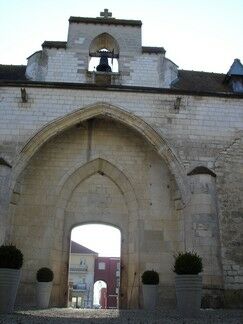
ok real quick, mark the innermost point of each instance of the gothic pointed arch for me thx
(101, 109)
(104, 50)
(67, 185)
(80, 172)
(104, 40)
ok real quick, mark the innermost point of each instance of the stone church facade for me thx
(150, 149)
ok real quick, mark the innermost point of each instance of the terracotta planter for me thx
(9, 282)
(188, 294)
(43, 294)
(150, 296)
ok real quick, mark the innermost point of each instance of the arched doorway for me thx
(94, 257)
(96, 166)
(100, 294)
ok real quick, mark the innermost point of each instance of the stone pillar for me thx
(202, 230)
(5, 173)
(132, 271)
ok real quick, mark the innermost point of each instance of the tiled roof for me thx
(78, 248)
(201, 81)
(56, 44)
(155, 50)
(187, 80)
(12, 72)
(236, 68)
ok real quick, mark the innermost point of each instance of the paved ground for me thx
(70, 316)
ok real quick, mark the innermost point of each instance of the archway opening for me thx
(94, 259)
(100, 295)
(95, 61)
(104, 43)
(101, 185)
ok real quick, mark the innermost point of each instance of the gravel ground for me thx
(69, 316)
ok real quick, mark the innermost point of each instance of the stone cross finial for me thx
(106, 14)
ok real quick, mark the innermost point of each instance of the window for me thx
(101, 266)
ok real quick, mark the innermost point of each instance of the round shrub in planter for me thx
(10, 257)
(188, 263)
(188, 283)
(11, 261)
(44, 278)
(150, 277)
(44, 275)
(150, 281)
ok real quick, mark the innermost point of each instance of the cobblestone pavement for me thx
(70, 316)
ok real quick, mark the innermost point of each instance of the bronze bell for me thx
(103, 66)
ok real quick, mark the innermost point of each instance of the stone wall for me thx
(230, 185)
(97, 197)
(71, 65)
(204, 131)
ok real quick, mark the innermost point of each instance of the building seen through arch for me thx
(88, 270)
(107, 269)
(81, 276)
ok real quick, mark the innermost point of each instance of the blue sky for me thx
(197, 35)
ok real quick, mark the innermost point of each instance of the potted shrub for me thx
(11, 261)
(150, 281)
(44, 278)
(188, 283)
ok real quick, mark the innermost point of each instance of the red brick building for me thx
(108, 270)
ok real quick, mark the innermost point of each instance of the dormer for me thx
(235, 76)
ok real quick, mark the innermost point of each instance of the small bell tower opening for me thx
(104, 54)
(103, 65)
(104, 61)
